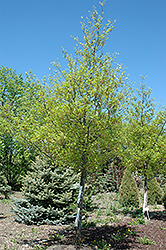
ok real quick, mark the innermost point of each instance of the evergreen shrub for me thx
(128, 191)
(154, 192)
(49, 194)
(4, 187)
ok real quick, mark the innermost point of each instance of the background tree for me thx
(15, 97)
(144, 138)
(15, 159)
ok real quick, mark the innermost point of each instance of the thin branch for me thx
(34, 144)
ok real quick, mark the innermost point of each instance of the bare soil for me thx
(118, 234)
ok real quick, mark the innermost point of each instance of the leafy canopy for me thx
(75, 118)
(144, 135)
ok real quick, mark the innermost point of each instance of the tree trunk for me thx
(80, 204)
(145, 205)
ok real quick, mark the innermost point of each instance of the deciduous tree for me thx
(16, 95)
(144, 137)
(75, 120)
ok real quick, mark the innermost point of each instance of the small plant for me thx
(137, 213)
(99, 212)
(126, 210)
(39, 247)
(10, 232)
(155, 207)
(138, 221)
(130, 232)
(114, 207)
(5, 201)
(56, 236)
(109, 212)
(34, 230)
(162, 228)
(14, 240)
(5, 246)
(119, 236)
(20, 235)
(106, 221)
(101, 196)
(146, 241)
(102, 244)
(88, 224)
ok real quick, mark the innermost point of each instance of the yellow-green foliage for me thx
(128, 192)
(154, 192)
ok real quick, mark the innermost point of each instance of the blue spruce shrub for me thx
(49, 194)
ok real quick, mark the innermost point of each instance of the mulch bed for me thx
(16, 236)
(151, 230)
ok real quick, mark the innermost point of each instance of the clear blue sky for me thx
(32, 33)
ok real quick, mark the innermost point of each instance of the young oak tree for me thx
(75, 120)
(145, 139)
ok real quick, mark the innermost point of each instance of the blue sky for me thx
(32, 33)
